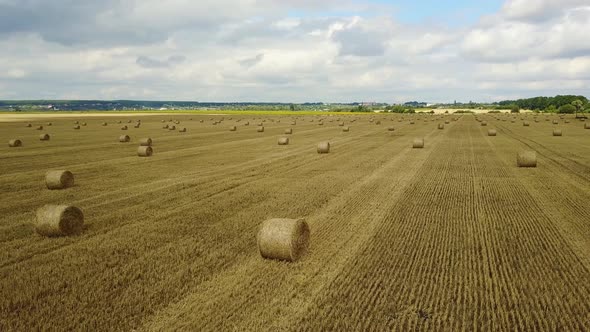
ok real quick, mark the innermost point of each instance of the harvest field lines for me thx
(453, 236)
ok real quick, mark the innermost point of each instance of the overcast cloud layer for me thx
(289, 51)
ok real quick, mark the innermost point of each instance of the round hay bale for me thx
(77, 127)
(492, 132)
(15, 143)
(182, 130)
(260, 124)
(557, 132)
(59, 220)
(44, 137)
(484, 123)
(165, 121)
(447, 122)
(323, 147)
(284, 141)
(377, 122)
(84, 124)
(165, 127)
(391, 128)
(555, 122)
(39, 128)
(29, 125)
(172, 127)
(59, 179)
(145, 142)
(441, 126)
(288, 131)
(124, 128)
(345, 129)
(320, 123)
(525, 123)
(233, 128)
(145, 151)
(260, 129)
(76, 122)
(104, 124)
(124, 138)
(128, 121)
(201, 121)
(49, 124)
(418, 143)
(293, 123)
(246, 123)
(411, 122)
(137, 125)
(526, 159)
(587, 125)
(283, 239)
(119, 122)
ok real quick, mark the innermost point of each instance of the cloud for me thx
(147, 62)
(522, 31)
(287, 50)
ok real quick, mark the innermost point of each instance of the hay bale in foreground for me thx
(145, 151)
(44, 137)
(288, 131)
(284, 141)
(15, 143)
(418, 143)
(124, 138)
(492, 132)
(587, 125)
(283, 239)
(484, 123)
(526, 159)
(59, 220)
(323, 147)
(557, 132)
(345, 129)
(59, 179)
(145, 142)
(260, 129)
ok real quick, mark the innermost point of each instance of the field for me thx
(453, 236)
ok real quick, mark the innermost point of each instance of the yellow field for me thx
(450, 237)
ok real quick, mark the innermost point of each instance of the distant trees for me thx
(543, 103)
(568, 109)
(514, 108)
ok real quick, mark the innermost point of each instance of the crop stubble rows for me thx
(449, 237)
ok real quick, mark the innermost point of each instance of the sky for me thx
(294, 50)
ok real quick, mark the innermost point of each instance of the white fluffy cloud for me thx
(271, 50)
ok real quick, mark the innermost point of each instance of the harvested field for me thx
(454, 236)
